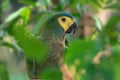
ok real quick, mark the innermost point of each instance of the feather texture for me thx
(53, 36)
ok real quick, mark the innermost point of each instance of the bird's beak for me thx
(72, 29)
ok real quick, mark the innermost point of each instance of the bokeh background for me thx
(94, 50)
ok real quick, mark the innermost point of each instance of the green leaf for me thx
(3, 72)
(30, 2)
(18, 76)
(111, 27)
(25, 14)
(113, 6)
(32, 47)
(51, 73)
(111, 24)
(13, 15)
(97, 3)
(108, 1)
(117, 72)
(98, 23)
(98, 72)
(81, 50)
(114, 60)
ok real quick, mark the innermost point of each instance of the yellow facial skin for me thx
(65, 22)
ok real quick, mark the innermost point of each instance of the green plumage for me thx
(53, 36)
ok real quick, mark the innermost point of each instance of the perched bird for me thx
(53, 34)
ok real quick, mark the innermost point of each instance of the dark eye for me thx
(63, 19)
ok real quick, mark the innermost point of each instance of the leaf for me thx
(3, 72)
(51, 73)
(30, 2)
(111, 24)
(25, 14)
(111, 27)
(98, 23)
(113, 6)
(108, 1)
(98, 72)
(115, 59)
(97, 3)
(81, 50)
(13, 15)
(32, 47)
(18, 76)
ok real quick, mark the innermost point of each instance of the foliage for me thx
(95, 57)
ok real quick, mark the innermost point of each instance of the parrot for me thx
(53, 34)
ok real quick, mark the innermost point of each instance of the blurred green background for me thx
(93, 53)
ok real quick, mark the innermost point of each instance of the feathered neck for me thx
(52, 30)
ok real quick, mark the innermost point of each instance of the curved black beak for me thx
(72, 28)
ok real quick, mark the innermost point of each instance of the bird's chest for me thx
(56, 51)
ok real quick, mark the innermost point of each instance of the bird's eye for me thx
(63, 19)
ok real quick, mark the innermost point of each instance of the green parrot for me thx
(52, 33)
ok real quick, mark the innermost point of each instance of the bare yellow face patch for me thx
(65, 22)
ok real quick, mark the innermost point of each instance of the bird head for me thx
(60, 24)
(67, 22)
